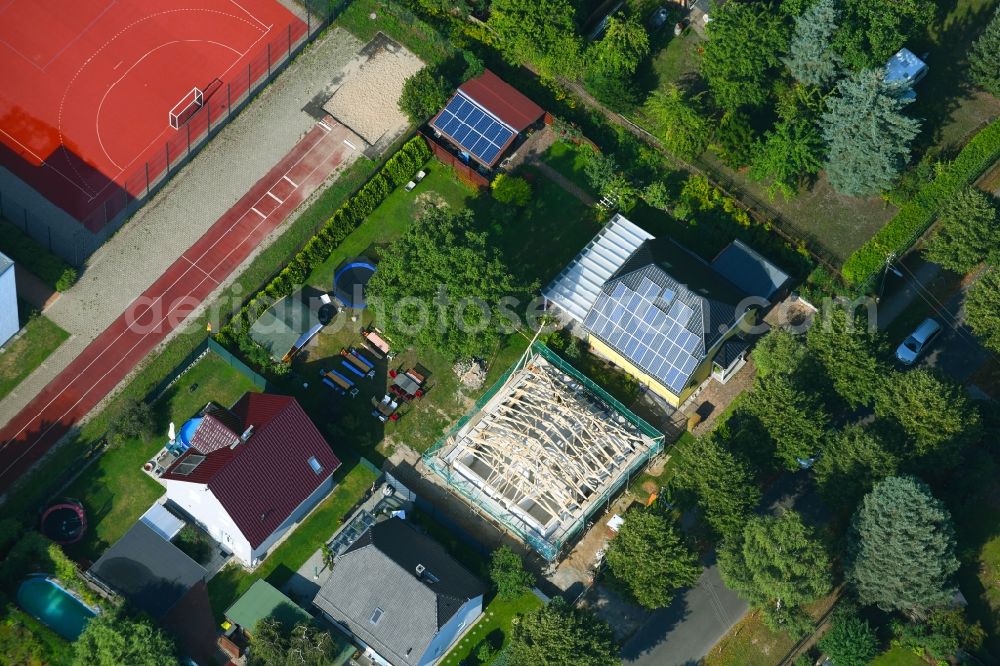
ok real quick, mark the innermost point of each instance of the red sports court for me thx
(87, 88)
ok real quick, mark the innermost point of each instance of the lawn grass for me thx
(393, 216)
(352, 479)
(496, 624)
(898, 656)
(40, 337)
(570, 160)
(750, 643)
(399, 24)
(114, 490)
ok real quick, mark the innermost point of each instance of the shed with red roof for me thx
(259, 468)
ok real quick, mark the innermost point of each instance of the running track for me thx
(168, 302)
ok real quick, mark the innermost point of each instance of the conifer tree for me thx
(984, 57)
(867, 134)
(794, 419)
(811, 58)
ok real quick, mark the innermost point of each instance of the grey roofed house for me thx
(400, 593)
(741, 264)
(149, 571)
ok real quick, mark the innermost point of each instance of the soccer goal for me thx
(187, 107)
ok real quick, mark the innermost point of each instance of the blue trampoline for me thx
(350, 280)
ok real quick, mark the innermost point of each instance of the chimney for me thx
(420, 570)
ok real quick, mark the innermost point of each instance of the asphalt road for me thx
(956, 353)
(684, 632)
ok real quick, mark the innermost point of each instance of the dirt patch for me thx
(367, 102)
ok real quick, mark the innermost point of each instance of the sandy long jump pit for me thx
(368, 100)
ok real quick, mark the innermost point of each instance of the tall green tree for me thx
(811, 57)
(777, 564)
(849, 348)
(558, 634)
(794, 418)
(745, 43)
(622, 48)
(508, 573)
(780, 352)
(867, 134)
(722, 482)
(870, 32)
(442, 286)
(680, 121)
(304, 644)
(651, 558)
(423, 95)
(539, 32)
(984, 57)
(735, 139)
(983, 309)
(853, 461)
(112, 638)
(901, 547)
(790, 154)
(968, 232)
(936, 415)
(850, 641)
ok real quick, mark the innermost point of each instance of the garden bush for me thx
(917, 215)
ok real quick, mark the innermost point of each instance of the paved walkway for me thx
(178, 292)
(246, 149)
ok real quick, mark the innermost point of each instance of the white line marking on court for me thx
(200, 269)
(258, 212)
(353, 147)
(290, 181)
(120, 357)
(120, 62)
(274, 197)
(261, 23)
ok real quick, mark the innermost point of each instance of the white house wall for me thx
(447, 634)
(197, 501)
(8, 304)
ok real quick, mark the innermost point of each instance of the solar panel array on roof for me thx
(188, 465)
(635, 323)
(473, 128)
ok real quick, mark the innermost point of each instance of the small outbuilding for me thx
(905, 70)
(9, 324)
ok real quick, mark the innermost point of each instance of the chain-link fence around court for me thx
(221, 101)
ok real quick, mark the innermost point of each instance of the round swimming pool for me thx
(186, 433)
(350, 280)
(53, 606)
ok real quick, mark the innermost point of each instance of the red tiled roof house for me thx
(251, 473)
(481, 124)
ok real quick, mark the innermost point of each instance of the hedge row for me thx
(916, 216)
(397, 171)
(23, 249)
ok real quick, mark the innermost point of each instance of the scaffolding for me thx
(543, 450)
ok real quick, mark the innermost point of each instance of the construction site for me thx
(543, 451)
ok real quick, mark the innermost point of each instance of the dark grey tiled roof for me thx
(379, 570)
(149, 571)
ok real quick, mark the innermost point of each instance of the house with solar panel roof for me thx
(483, 122)
(662, 313)
(250, 473)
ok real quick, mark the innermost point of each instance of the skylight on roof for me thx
(316, 467)
(188, 465)
(376, 616)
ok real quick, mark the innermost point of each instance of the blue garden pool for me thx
(49, 603)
